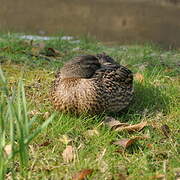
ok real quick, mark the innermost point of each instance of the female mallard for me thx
(92, 84)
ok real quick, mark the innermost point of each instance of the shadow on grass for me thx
(148, 100)
(151, 98)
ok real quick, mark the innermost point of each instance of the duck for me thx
(92, 84)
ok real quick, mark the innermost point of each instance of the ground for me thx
(156, 84)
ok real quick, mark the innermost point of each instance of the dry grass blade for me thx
(46, 143)
(82, 174)
(113, 123)
(46, 115)
(8, 149)
(68, 154)
(130, 128)
(177, 173)
(166, 130)
(92, 132)
(159, 177)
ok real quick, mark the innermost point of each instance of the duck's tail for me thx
(106, 60)
(122, 73)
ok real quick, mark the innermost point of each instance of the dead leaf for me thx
(126, 142)
(118, 126)
(121, 176)
(134, 127)
(168, 70)
(52, 52)
(65, 139)
(150, 146)
(7, 48)
(166, 130)
(46, 143)
(46, 115)
(113, 123)
(68, 154)
(82, 174)
(92, 132)
(139, 77)
(159, 176)
(8, 149)
(120, 151)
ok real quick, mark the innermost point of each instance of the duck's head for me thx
(80, 67)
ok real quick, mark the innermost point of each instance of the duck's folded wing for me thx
(123, 74)
(107, 61)
(114, 73)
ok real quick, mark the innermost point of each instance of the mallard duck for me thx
(92, 84)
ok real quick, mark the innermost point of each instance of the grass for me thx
(26, 113)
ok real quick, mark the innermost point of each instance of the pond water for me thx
(111, 21)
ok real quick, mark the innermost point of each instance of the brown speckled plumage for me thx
(92, 84)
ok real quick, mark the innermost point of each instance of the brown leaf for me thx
(46, 143)
(68, 154)
(121, 176)
(118, 126)
(52, 52)
(134, 127)
(139, 77)
(150, 146)
(8, 149)
(7, 48)
(120, 151)
(166, 130)
(82, 174)
(159, 176)
(124, 142)
(168, 70)
(128, 142)
(113, 123)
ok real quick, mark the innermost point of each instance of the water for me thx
(111, 21)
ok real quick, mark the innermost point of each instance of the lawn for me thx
(34, 138)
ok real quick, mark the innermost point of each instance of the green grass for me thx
(156, 101)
